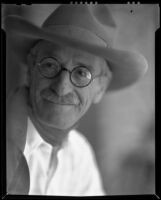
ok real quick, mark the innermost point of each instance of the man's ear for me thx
(101, 89)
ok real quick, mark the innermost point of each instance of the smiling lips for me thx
(51, 96)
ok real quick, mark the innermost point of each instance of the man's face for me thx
(56, 101)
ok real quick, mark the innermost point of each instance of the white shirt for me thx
(76, 173)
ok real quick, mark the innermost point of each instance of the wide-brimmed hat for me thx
(86, 27)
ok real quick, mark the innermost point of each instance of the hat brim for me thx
(126, 66)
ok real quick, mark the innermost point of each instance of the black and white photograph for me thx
(80, 99)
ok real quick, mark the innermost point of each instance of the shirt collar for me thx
(33, 138)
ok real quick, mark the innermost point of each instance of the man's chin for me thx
(56, 116)
(56, 123)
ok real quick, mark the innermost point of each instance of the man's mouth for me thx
(55, 99)
(57, 103)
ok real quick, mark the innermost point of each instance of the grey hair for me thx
(33, 50)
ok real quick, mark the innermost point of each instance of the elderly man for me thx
(71, 65)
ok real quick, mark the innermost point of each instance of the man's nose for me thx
(62, 84)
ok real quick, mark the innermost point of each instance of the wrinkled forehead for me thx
(64, 54)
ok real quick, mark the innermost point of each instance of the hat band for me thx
(78, 33)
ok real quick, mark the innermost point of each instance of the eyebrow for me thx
(86, 65)
(86, 57)
(48, 54)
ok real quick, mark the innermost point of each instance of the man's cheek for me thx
(37, 87)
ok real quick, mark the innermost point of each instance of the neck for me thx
(51, 135)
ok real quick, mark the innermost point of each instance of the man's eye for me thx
(49, 67)
(83, 73)
(49, 62)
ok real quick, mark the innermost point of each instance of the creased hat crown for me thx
(86, 17)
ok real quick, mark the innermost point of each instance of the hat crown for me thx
(88, 17)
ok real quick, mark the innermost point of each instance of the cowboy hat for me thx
(81, 26)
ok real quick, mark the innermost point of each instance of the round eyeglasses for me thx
(80, 76)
